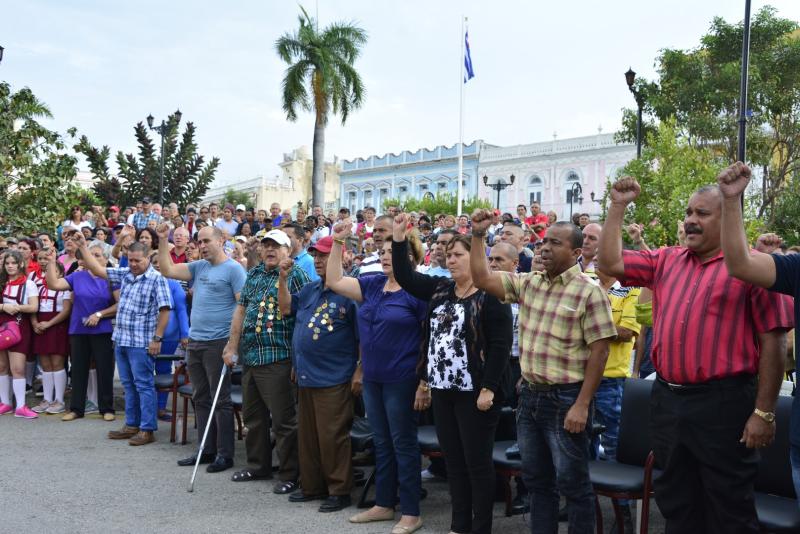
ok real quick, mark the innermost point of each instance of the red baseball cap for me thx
(324, 245)
(113, 208)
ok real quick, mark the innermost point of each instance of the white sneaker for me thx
(90, 407)
(41, 407)
(427, 475)
(56, 407)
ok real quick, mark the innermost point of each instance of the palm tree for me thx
(321, 77)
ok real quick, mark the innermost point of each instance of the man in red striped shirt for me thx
(712, 335)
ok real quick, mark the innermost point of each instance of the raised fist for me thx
(481, 219)
(635, 232)
(400, 226)
(343, 229)
(286, 266)
(768, 243)
(733, 180)
(163, 232)
(625, 190)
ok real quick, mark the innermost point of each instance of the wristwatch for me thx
(98, 315)
(157, 338)
(769, 417)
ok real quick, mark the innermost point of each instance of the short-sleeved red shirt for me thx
(705, 322)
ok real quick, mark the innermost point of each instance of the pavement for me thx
(68, 477)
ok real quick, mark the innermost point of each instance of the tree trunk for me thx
(318, 174)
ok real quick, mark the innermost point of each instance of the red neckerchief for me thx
(34, 267)
(17, 281)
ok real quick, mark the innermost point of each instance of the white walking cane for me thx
(190, 489)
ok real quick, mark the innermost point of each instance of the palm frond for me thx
(294, 89)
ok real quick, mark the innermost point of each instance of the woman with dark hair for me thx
(466, 345)
(20, 298)
(28, 248)
(51, 339)
(146, 236)
(75, 218)
(389, 325)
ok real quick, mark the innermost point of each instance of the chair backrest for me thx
(635, 441)
(774, 471)
(507, 426)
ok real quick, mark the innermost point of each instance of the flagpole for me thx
(460, 197)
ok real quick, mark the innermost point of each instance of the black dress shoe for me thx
(190, 461)
(300, 496)
(334, 503)
(219, 464)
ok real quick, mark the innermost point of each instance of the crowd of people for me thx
(454, 317)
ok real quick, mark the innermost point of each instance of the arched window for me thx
(572, 177)
(535, 188)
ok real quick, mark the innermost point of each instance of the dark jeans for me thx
(204, 363)
(84, 349)
(270, 393)
(466, 436)
(708, 475)
(554, 460)
(391, 416)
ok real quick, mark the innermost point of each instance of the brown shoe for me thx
(142, 438)
(126, 432)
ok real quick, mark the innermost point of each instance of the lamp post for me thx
(498, 186)
(1, 54)
(576, 192)
(162, 131)
(591, 195)
(630, 77)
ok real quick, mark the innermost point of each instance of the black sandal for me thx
(246, 475)
(284, 487)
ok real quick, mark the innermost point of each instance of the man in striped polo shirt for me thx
(712, 336)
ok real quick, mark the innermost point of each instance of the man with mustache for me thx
(712, 336)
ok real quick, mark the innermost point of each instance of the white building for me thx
(546, 171)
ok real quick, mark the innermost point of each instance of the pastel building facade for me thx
(546, 171)
(370, 181)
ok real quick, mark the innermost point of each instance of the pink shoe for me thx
(25, 413)
(5, 408)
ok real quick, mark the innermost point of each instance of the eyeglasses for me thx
(384, 251)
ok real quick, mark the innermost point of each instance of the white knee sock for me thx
(5, 389)
(19, 391)
(47, 385)
(91, 387)
(60, 384)
(30, 369)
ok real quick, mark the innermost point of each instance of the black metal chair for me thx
(170, 384)
(776, 502)
(631, 476)
(361, 441)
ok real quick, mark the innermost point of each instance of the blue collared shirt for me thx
(306, 262)
(140, 220)
(140, 299)
(325, 341)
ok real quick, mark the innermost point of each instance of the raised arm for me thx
(169, 269)
(753, 267)
(127, 234)
(609, 251)
(482, 277)
(284, 296)
(89, 261)
(338, 283)
(53, 279)
(416, 284)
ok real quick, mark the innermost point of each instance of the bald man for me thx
(513, 234)
(591, 239)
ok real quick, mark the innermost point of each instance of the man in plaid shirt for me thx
(142, 218)
(565, 325)
(142, 316)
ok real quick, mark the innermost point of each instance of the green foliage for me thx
(441, 203)
(36, 176)
(699, 89)
(321, 77)
(187, 176)
(669, 171)
(787, 214)
(236, 197)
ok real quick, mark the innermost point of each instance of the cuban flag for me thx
(468, 72)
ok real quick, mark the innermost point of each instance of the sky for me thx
(541, 67)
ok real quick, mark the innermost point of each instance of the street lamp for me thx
(1, 54)
(498, 186)
(162, 131)
(630, 77)
(591, 195)
(576, 191)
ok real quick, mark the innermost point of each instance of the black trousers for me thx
(707, 484)
(205, 369)
(466, 436)
(84, 349)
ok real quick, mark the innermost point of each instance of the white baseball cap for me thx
(240, 207)
(279, 236)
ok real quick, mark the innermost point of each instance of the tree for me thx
(37, 178)
(235, 198)
(187, 176)
(441, 203)
(321, 78)
(699, 89)
(669, 171)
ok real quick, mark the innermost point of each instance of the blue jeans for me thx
(136, 373)
(391, 415)
(555, 461)
(607, 412)
(165, 368)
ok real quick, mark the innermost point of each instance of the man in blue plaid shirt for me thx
(142, 316)
(142, 218)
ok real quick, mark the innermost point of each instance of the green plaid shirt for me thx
(266, 334)
(558, 320)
